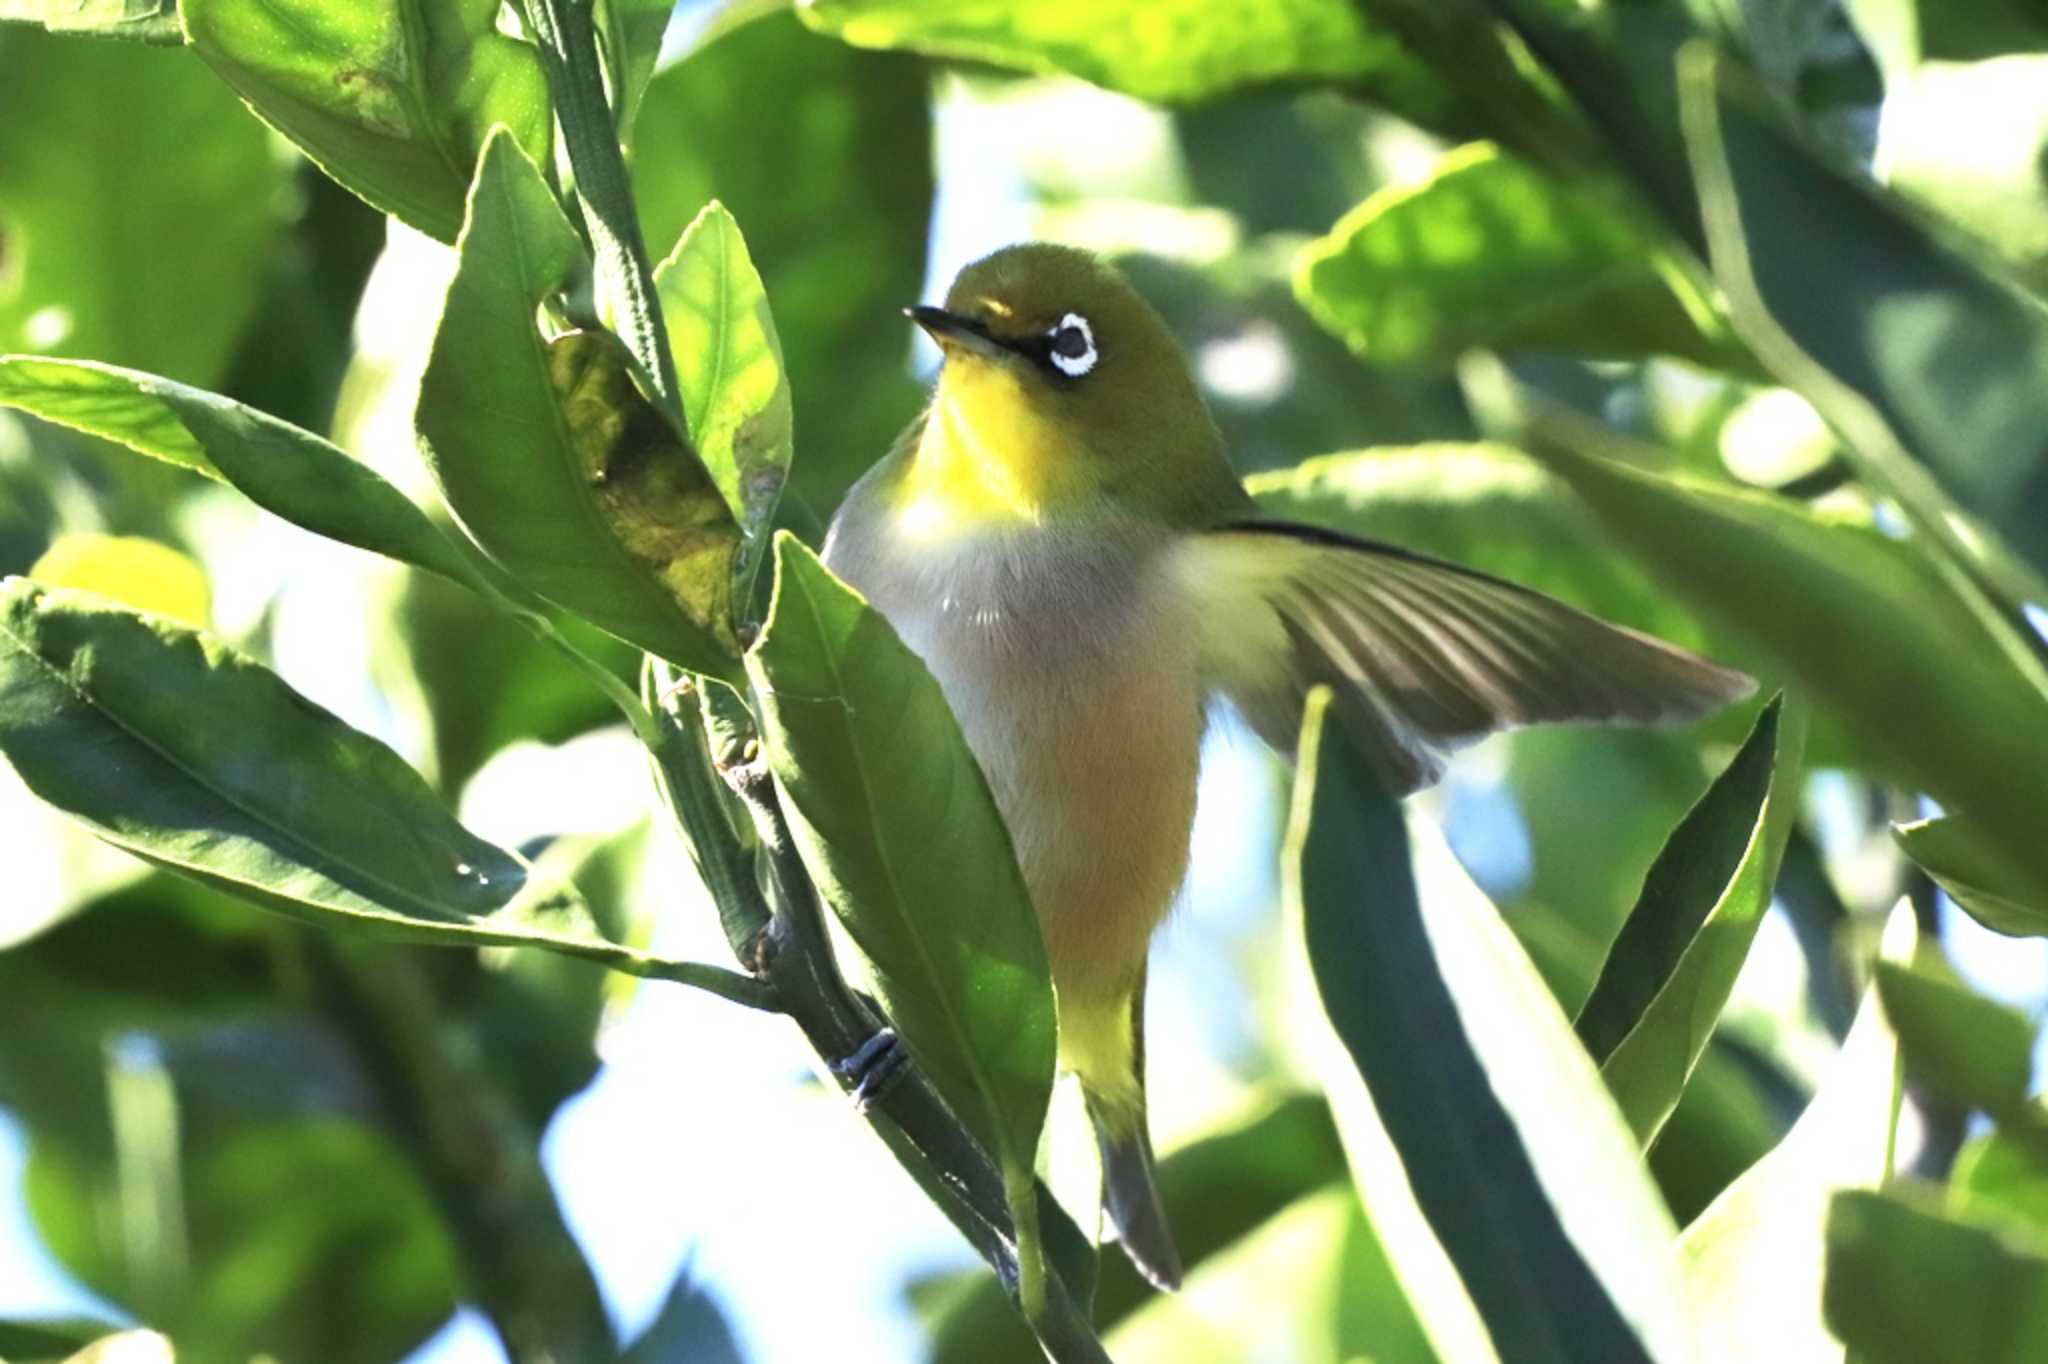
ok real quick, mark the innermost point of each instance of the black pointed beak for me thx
(953, 331)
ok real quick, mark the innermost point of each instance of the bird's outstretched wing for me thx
(1423, 655)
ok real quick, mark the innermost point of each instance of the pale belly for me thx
(1072, 674)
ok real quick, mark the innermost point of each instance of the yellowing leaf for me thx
(133, 571)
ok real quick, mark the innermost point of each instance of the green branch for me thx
(625, 279)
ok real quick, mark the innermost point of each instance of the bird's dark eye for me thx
(1070, 346)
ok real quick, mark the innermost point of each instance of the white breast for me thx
(1068, 657)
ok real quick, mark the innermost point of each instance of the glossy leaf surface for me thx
(393, 98)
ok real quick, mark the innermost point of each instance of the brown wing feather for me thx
(1426, 656)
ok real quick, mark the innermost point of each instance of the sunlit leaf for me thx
(2002, 896)
(393, 98)
(1503, 1182)
(728, 371)
(896, 823)
(1171, 51)
(174, 747)
(1906, 1285)
(840, 260)
(1491, 251)
(119, 244)
(1755, 1258)
(148, 21)
(1306, 1284)
(1670, 972)
(145, 574)
(548, 453)
(279, 467)
(1217, 1190)
(1966, 139)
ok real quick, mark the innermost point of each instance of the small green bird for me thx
(1061, 539)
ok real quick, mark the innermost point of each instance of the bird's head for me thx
(1062, 390)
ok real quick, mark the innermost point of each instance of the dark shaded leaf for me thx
(1834, 285)
(689, 1330)
(393, 98)
(548, 453)
(1475, 1095)
(896, 823)
(1669, 973)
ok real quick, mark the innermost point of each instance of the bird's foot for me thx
(872, 1068)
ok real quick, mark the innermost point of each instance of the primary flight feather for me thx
(1060, 537)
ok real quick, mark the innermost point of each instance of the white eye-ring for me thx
(1071, 346)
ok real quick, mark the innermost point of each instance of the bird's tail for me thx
(1130, 1195)
(1105, 1047)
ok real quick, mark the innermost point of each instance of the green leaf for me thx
(842, 259)
(895, 821)
(1308, 1285)
(148, 21)
(1217, 1190)
(195, 758)
(548, 453)
(729, 372)
(284, 470)
(1830, 600)
(1669, 973)
(119, 244)
(1973, 1051)
(1166, 51)
(1755, 1258)
(2000, 1178)
(1490, 251)
(1994, 890)
(1480, 1136)
(1846, 298)
(1906, 1285)
(215, 1234)
(393, 98)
